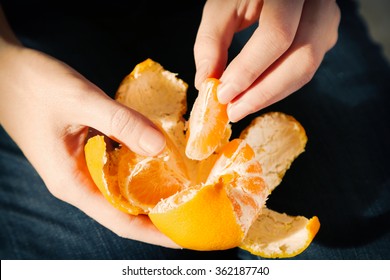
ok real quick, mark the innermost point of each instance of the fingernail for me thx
(238, 111)
(225, 93)
(152, 141)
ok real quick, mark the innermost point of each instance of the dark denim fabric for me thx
(343, 177)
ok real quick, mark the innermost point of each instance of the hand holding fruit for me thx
(47, 108)
(281, 56)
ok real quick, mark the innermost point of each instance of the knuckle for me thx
(202, 43)
(209, 41)
(305, 78)
(333, 40)
(205, 38)
(310, 63)
(247, 70)
(253, 107)
(264, 98)
(122, 123)
(280, 38)
(336, 22)
(251, 73)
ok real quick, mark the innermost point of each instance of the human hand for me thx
(47, 108)
(281, 56)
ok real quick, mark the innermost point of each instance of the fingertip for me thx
(225, 93)
(237, 112)
(126, 126)
(151, 141)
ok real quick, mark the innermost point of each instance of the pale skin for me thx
(281, 56)
(47, 107)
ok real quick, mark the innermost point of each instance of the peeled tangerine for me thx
(204, 191)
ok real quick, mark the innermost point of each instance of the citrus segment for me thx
(231, 199)
(276, 235)
(204, 221)
(144, 181)
(208, 122)
(103, 169)
(233, 158)
(241, 175)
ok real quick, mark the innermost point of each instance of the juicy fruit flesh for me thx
(210, 204)
(207, 123)
(103, 171)
(140, 179)
(241, 174)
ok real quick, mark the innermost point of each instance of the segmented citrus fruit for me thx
(208, 122)
(225, 204)
(204, 191)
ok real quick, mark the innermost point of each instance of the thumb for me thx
(123, 124)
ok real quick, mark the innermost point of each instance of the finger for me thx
(122, 124)
(128, 226)
(69, 180)
(278, 24)
(212, 41)
(220, 20)
(316, 35)
(90, 200)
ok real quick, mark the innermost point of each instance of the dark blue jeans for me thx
(343, 177)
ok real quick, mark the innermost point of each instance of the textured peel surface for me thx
(277, 140)
(276, 235)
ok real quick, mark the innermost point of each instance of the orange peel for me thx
(204, 191)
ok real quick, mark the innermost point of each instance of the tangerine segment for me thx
(103, 169)
(276, 235)
(233, 157)
(144, 181)
(203, 219)
(207, 123)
